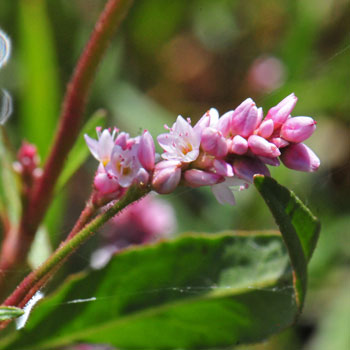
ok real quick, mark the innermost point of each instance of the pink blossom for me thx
(300, 157)
(197, 178)
(209, 119)
(213, 142)
(280, 113)
(124, 164)
(298, 129)
(146, 151)
(101, 148)
(166, 176)
(261, 147)
(181, 143)
(246, 117)
(104, 182)
(239, 145)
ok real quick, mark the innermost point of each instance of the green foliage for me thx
(193, 292)
(9, 312)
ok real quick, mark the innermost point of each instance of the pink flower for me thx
(280, 113)
(124, 164)
(197, 178)
(166, 176)
(181, 143)
(298, 129)
(300, 157)
(213, 142)
(246, 117)
(104, 182)
(101, 148)
(146, 151)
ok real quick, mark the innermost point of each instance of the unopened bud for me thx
(146, 151)
(213, 142)
(300, 157)
(262, 147)
(197, 178)
(166, 176)
(298, 129)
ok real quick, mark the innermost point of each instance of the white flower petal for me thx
(223, 194)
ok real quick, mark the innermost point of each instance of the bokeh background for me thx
(183, 57)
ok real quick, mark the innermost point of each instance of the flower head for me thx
(101, 148)
(181, 143)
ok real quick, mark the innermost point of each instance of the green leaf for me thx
(10, 312)
(299, 228)
(198, 291)
(10, 203)
(80, 151)
(39, 75)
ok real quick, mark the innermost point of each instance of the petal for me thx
(223, 194)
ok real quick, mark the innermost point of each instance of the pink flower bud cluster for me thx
(222, 152)
(27, 164)
(123, 160)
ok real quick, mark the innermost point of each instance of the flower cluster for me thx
(222, 152)
(123, 160)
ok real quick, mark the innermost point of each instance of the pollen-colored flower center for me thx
(187, 148)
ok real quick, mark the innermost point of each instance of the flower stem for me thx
(68, 129)
(36, 279)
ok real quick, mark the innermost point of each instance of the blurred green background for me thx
(183, 57)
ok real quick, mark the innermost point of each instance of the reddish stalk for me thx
(14, 251)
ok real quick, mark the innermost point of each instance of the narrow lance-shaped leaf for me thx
(299, 228)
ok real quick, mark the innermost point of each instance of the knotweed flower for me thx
(123, 160)
(181, 143)
(101, 148)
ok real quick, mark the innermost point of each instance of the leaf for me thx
(39, 76)
(299, 228)
(80, 151)
(10, 203)
(198, 291)
(10, 312)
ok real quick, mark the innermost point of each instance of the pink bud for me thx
(245, 118)
(166, 176)
(213, 142)
(209, 119)
(122, 140)
(28, 158)
(266, 128)
(224, 123)
(298, 129)
(262, 147)
(105, 183)
(239, 145)
(280, 113)
(246, 167)
(146, 151)
(197, 178)
(142, 177)
(300, 157)
(222, 168)
(270, 161)
(279, 142)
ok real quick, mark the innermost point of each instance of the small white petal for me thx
(223, 194)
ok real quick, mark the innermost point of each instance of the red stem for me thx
(14, 251)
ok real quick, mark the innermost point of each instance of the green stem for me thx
(31, 284)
